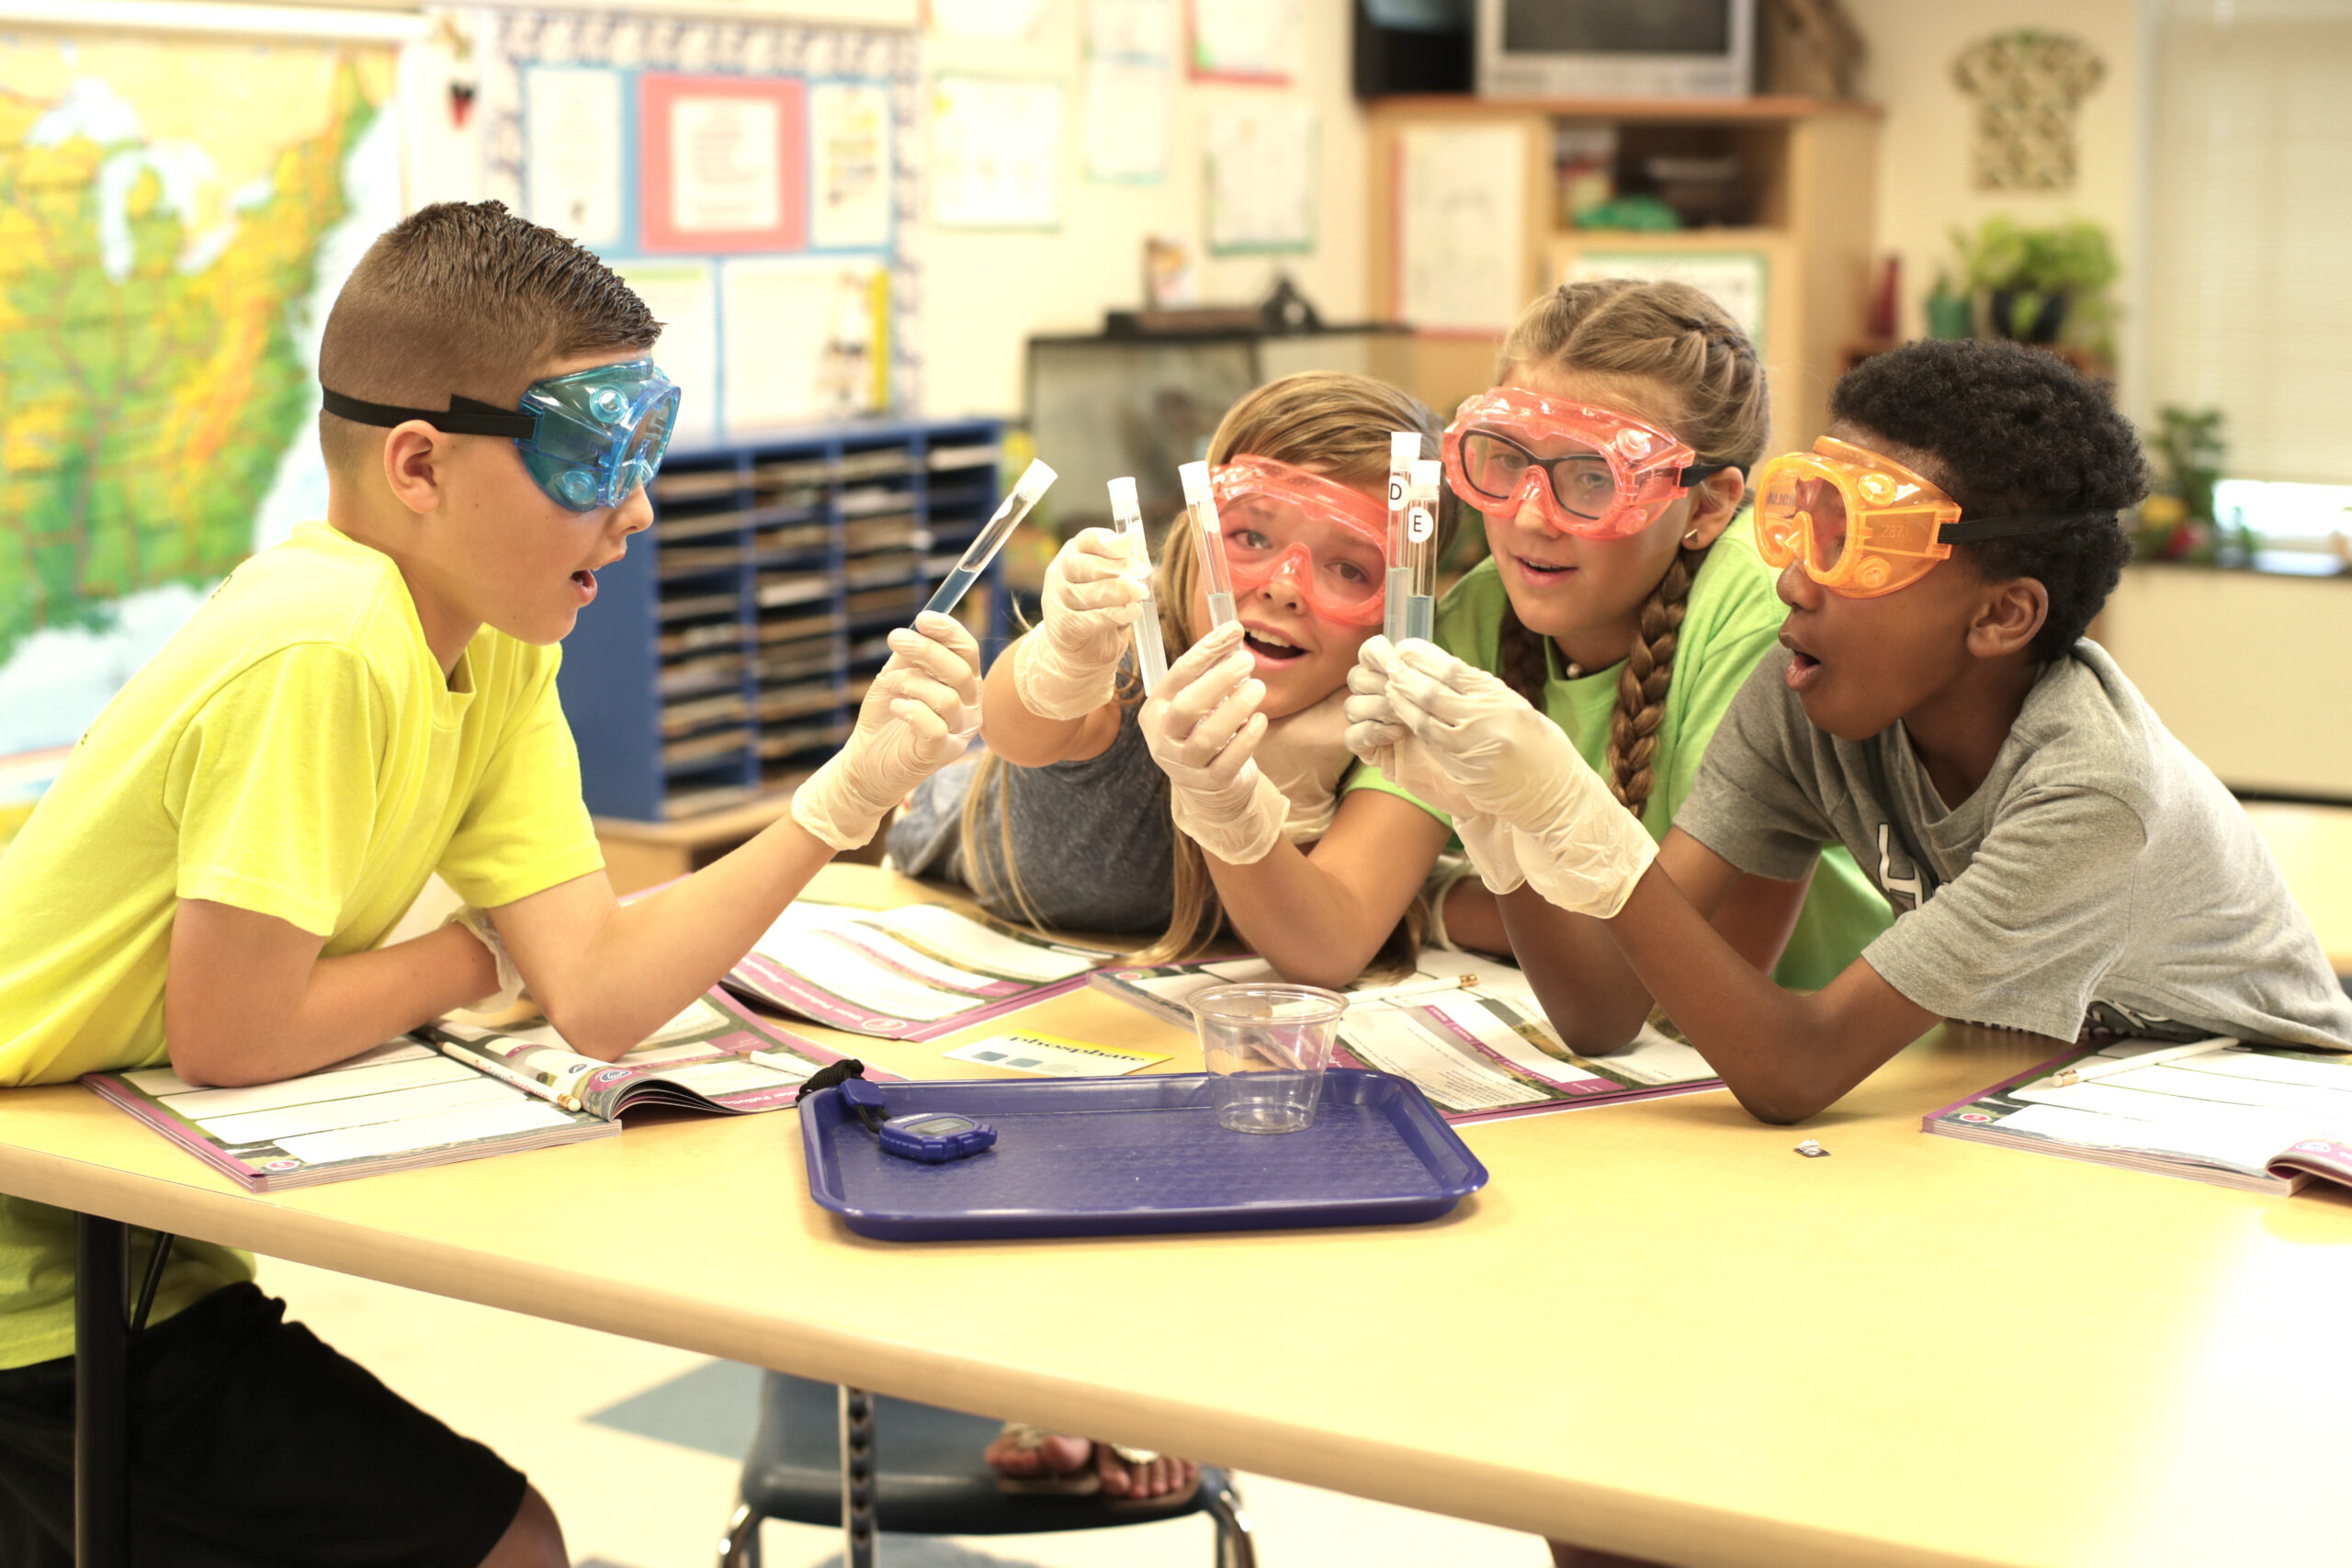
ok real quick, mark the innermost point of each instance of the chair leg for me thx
(739, 1546)
(858, 1481)
(1234, 1547)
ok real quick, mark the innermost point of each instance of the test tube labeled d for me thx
(1404, 451)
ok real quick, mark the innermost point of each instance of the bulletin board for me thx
(755, 182)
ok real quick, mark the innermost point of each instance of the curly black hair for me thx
(2012, 430)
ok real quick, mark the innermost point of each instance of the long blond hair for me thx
(1670, 336)
(1329, 421)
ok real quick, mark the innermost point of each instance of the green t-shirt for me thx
(1731, 620)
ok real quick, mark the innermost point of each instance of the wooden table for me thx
(1658, 1331)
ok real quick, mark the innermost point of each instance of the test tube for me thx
(1404, 451)
(1151, 654)
(1209, 538)
(1420, 548)
(1033, 480)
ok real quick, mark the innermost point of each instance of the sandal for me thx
(1084, 1482)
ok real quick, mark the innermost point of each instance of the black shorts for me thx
(253, 1445)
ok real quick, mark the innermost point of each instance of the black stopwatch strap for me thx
(834, 1077)
(464, 416)
(1976, 530)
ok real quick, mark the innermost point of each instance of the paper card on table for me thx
(1051, 1056)
(849, 136)
(572, 156)
(683, 294)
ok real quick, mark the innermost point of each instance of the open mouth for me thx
(1542, 573)
(1267, 644)
(1803, 667)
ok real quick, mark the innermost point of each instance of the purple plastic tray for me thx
(1128, 1156)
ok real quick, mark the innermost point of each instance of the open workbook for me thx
(1468, 1031)
(913, 973)
(2259, 1118)
(454, 1091)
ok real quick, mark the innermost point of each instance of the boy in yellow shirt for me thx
(209, 880)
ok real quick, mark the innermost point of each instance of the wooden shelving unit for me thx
(726, 655)
(1808, 193)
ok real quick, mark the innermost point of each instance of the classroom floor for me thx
(638, 1445)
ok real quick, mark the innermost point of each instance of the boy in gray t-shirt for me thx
(2057, 862)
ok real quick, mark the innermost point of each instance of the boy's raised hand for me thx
(1069, 665)
(1203, 727)
(917, 716)
(1574, 843)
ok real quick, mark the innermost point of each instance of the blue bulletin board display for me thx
(752, 180)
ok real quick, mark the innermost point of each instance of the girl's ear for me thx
(1713, 506)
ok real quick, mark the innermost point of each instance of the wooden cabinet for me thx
(1804, 200)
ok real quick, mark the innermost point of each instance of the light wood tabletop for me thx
(1659, 1330)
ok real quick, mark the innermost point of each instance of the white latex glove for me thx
(1303, 754)
(917, 716)
(1577, 845)
(1376, 735)
(1069, 666)
(510, 979)
(1203, 728)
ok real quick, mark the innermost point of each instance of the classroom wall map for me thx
(170, 213)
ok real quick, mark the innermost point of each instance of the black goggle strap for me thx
(464, 416)
(1976, 530)
(1699, 473)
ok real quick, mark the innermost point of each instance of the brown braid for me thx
(1641, 690)
(1523, 664)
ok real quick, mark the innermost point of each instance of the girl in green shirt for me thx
(1623, 597)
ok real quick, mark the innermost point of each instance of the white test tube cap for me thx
(1197, 482)
(1123, 503)
(1033, 480)
(1404, 447)
(1428, 473)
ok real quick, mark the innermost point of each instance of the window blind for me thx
(2249, 296)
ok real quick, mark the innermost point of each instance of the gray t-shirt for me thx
(2101, 878)
(1093, 840)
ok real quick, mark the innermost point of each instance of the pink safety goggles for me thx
(1591, 471)
(1329, 540)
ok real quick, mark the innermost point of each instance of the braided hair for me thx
(1675, 337)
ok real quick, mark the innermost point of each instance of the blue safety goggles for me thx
(589, 438)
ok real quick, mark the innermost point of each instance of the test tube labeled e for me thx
(1151, 653)
(1420, 548)
(1208, 539)
(1404, 451)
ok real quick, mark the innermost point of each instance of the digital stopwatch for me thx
(933, 1137)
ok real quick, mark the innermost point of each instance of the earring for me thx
(1690, 540)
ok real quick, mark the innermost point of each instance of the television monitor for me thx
(1616, 48)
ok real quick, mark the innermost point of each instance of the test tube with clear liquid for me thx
(1421, 550)
(1032, 485)
(1404, 451)
(1208, 539)
(1151, 653)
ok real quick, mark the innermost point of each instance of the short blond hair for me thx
(465, 298)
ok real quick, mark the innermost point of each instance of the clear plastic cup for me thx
(1267, 1044)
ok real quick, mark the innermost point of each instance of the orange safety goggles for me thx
(1864, 525)
(1329, 540)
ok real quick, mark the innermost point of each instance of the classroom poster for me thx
(724, 163)
(1261, 175)
(849, 142)
(801, 338)
(996, 151)
(1130, 73)
(1247, 41)
(1460, 227)
(683, 294)
(576, 123)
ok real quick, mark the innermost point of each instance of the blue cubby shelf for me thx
(725, 656)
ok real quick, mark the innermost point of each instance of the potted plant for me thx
(2034, 278)
(2176, 522)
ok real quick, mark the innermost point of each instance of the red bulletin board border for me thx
(658, 93)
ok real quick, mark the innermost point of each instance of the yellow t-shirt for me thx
(294, 750)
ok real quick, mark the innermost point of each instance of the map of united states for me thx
(160, 243)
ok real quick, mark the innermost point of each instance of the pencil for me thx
(2088, 1071)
